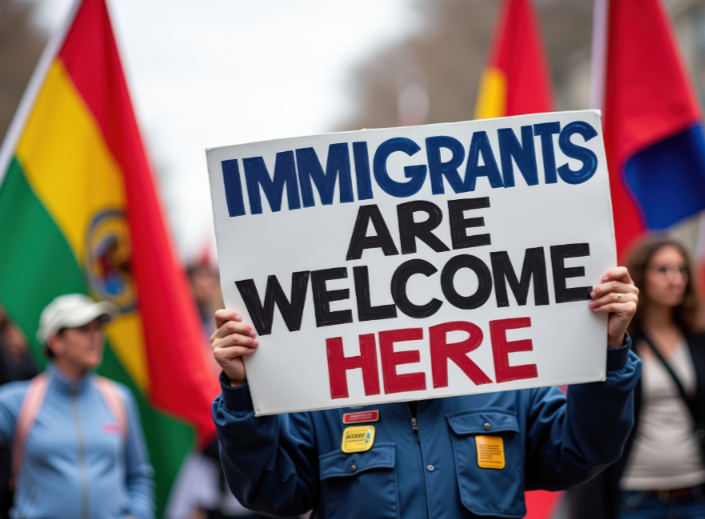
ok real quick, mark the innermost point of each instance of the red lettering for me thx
(442, 352)
(339, 364)
(393, 382)
(501, 348)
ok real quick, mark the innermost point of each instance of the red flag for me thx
(516, 79)
(652, 121)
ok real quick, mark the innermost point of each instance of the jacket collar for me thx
(64, 383)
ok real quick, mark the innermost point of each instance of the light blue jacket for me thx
(76, 461)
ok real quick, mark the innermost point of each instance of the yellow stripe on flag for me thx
(66, 161)
(492, 100)
(74, 175)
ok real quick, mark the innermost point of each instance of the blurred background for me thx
(220, 72)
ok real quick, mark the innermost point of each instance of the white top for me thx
(665, 453)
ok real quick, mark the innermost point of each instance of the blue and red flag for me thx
(652, 123)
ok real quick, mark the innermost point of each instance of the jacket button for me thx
(430, 468)
(487, 427)
(353, 468)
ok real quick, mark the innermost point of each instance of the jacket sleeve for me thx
(270, 462)
(11, 398)
(570, 440)
(138, 471)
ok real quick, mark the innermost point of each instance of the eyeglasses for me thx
(665, 270)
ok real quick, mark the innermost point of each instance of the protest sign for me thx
(421, 262)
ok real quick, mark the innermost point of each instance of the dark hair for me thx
(689, 314)
(48, 352)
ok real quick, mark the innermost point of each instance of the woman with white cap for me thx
(78, 448)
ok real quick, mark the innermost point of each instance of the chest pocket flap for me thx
(346, 477)
(486, 421)
(338, 464)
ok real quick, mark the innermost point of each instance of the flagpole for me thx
(19, 120)
(598, 62)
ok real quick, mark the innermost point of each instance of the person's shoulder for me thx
(12, 394)
(697, 338)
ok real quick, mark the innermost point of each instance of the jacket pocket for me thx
(488, 491)
(362, 484)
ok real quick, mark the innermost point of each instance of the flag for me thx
(516, 79)
(79, 212)
(652, 122)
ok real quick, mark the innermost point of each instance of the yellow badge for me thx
(358, 439)
(490, 452)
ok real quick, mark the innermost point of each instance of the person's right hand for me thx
(231, 340)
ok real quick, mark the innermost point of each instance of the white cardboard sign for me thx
(421, 262)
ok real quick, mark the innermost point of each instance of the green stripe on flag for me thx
(36, 265)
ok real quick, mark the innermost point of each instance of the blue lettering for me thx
(437, 169)
(546, 131)
(233, 187)
(480, 146)
(586, 156)
(362, 171)
(524, 155)
(256, 175)
(337, 166)
(415, 174)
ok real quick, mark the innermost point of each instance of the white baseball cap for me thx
(72, 311)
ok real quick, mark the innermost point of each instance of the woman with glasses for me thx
(662, 472)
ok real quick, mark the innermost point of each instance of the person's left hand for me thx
(617, 296)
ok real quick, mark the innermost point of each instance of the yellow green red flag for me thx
(79, 212)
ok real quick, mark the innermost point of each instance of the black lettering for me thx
(484, 282)
(322, 297)
(409, 230)
(560, 273)
(263, 316)
(400, 279)
(458, 222)
(534, 266)
(360, 241)
(365, 310)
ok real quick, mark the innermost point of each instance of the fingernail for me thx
(251, 350)
(253, 333)
(238, 317)
(591, 304)
(605, 278)
(593, 293)
(255, 342)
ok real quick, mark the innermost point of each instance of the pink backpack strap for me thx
(111, 394)
(29, 410)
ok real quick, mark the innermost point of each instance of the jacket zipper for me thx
(81, 452)
(415, 428)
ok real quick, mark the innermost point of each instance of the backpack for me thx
(33, 403)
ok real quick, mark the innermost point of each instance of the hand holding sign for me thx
(618, 296)
(231, 340)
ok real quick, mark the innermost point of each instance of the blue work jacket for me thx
(287, 464)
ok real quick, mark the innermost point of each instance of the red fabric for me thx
(648, 97)
(180, 381)
(517, 50)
